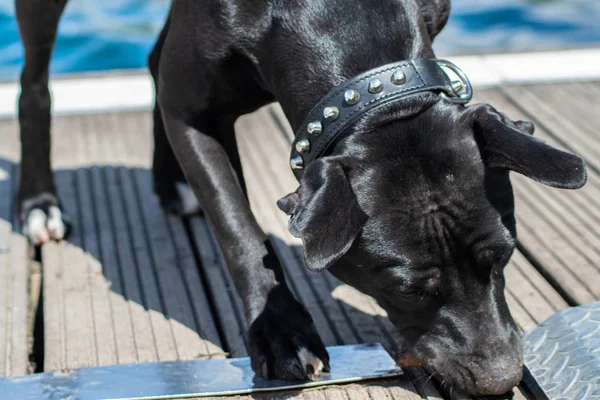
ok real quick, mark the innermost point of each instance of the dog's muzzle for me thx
(347, 102)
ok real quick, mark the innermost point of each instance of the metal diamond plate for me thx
(563, 353)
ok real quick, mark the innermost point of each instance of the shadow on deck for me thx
(134, 284)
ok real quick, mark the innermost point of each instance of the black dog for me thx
(413, 206)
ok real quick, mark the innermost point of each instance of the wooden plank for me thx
(104, 331)
(113, 335)
(178, 308)
(227, 303)
(152, 298)
(554, 264)
(122, 324)
(528, 285)
(75, 191)
(15, 337)
(560, 244)
(125, 272)
(14, 275)
(151, 332)
(162, 332)
(522, 318)
(72, 270)
(140, 320)
(573, 121)
(527, 295)
(563, 219)
(571, 240)
(4, 311)
(205, 322)
(5, 236)
(397, 388)
(55, 349)
(568, 213)
(122, 290)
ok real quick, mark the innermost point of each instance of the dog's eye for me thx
(407, 293)
(495, 251)
(494, 257)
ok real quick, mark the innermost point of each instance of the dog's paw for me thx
(286, 347)
(187, 199)
(179, 200)
(42, 220)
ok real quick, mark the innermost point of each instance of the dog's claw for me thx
(291, 350)
(313, 365)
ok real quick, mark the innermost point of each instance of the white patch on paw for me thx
(306, 357)
(35, 227)
(40, 228)
(55, 224)
(188, 199)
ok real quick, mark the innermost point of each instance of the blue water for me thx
(115, 34)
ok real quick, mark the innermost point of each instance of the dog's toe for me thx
(35, 227)
(286, 346)
(55, 223)
(41, 227)
(311, 363)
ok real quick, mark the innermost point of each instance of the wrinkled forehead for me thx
(417, 184)
(437, 235)
(396, 239)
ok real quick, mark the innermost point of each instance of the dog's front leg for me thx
(39, 208)
(281, 338)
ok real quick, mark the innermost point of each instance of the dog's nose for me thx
(500, 382)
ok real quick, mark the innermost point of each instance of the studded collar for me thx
(347, 102)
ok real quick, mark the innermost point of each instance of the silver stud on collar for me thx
(303, 146)
(351, 97)
(297, 163)
(331, 113)
(375, 85)
(398, 78)
(315, 128)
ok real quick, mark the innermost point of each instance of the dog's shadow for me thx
(134, 284)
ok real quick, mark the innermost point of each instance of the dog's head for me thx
(415, 208)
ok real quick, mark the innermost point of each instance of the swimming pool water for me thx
(117, 34)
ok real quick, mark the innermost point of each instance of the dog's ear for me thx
(324, 213)
(510, 145)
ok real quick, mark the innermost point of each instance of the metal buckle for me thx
(461, 86)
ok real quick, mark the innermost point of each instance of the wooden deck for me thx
(134, 284)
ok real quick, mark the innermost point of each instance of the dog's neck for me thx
(325, 50)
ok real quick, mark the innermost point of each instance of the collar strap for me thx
(347, 102)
